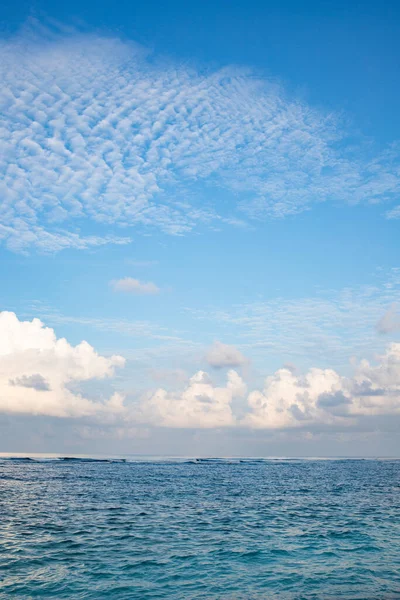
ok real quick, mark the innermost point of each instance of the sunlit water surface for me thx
(234, 529)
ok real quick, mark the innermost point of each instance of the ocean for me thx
(199, 528)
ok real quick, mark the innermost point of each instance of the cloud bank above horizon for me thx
(37, 371)
(100, 135)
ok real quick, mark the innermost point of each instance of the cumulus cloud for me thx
(322, 396)
(36, 370)
(40, 375)
(94, 131)
(288, 399)
(221, 355)
(200, 405)
(390, 321)
(134, 286)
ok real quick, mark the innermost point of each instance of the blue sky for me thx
(208, 189)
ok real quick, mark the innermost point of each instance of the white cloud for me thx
(319, 398)
(322, 396)
(221, 355)
(289, 400)
(93, 131)
(200, 405)
(39, 375)
(36, 369)
(134, 286)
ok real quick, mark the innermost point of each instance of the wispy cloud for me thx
(23, 236)
(94, 131)
(134, 286)
(126, 327)
(330, 326)
(394, 213)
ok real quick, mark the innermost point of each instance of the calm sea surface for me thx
(233, 529)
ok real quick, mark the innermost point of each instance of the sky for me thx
(199, 228)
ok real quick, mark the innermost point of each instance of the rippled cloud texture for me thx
(95, 129)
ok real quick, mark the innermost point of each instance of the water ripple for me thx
(199, 529)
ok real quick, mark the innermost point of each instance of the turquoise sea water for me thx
(232, 529)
